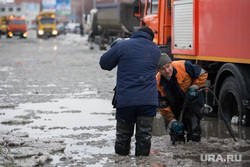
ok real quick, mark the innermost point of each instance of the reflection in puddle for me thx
(55, 48)
(70, 113)
(86, 125)
(211, 127)
(64, 115)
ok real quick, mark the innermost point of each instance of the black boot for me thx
(178, 137)
(195, 133)
(124, 132)
(143, 135)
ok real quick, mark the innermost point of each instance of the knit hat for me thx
(148, 30)
(164, 59)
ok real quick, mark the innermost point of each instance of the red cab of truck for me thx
(17, 27)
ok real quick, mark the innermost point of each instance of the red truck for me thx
(215, 34)
(17, 27)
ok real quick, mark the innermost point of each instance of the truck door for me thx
(151, 17)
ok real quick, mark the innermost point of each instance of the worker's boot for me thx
(178, 138)
(143, 135)
(124, 132)
(194, 133)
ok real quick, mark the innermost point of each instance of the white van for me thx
(70, 27)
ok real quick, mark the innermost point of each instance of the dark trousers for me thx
(191, 124)
(127, 118)
(124, 132)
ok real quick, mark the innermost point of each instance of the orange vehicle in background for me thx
(17, 27)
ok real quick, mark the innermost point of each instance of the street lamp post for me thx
(94, 3)
(83, 7)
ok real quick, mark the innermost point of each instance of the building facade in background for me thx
(66, 10)
(7, 9)
(18, 2)
(28, 10)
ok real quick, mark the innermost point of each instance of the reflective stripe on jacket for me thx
(185, 74)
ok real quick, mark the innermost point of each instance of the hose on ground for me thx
(220, 109)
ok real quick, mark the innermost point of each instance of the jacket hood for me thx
(141, 34)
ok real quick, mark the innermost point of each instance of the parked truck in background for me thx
(110, 21)
(4, 24)
(17, 27)
(46, 25)
(213, 34)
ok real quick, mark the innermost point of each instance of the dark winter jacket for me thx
(137, 60)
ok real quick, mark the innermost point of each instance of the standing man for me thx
(81, 30)
(174, 80)
(136, 98)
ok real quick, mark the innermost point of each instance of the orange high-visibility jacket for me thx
(186, 74)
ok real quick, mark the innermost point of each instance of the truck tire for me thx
(230, 100)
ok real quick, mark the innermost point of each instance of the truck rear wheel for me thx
(230, 100)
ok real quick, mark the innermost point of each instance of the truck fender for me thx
(242, 77)
(236, 70)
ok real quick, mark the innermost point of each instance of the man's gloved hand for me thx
(177, 127)
(192, 93)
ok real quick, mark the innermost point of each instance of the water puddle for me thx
(87, 126)
(81, 132)
(211, 127)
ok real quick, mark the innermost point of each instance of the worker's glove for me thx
(192, 93)
(115, 41)
(177, 127)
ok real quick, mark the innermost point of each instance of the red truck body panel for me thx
(221, 31)
(214, 34)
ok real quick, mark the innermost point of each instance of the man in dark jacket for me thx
(136, 90)
(175, 80)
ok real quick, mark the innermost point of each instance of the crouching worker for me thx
(136, 98)
(174, 80)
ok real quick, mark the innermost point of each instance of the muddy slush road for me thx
(55, 111)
